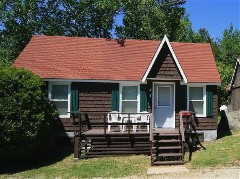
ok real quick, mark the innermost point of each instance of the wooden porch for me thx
(165, 146)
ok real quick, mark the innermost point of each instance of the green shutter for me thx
(143, 97)
(183, 97)
(115, 97)
(74, 98)
(209, 91)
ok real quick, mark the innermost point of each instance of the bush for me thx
(26, 114)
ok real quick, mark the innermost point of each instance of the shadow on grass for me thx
(44, 159)
(223, 126)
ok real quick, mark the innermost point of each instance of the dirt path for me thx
(223, 173)
(210, 173)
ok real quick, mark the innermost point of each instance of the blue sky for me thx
(214, 15)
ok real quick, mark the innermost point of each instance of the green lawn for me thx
(102, 167)
(222, 152)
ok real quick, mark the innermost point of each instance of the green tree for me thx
(86, 18)
(228, 47)
(20, 20)
(226, 51)
(150, 19)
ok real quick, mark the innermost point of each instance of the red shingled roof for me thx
(104, 59)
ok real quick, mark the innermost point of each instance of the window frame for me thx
(121, 95)
(50, 84)
(203, 100)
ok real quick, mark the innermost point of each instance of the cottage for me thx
(96, 76)
(234, 97)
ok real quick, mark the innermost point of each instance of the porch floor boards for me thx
(100, 131)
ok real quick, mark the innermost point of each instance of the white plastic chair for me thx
(125, 121)
(144, 117)
(114, 117)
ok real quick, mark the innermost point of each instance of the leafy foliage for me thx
(229, 46)
(150, 20)
(226, 51)
(26, 113)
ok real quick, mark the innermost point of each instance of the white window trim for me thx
(204, 99)
(138, 95)
(50, 84)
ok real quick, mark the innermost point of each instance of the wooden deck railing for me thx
(78, 121)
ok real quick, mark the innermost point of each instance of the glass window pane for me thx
(129, 92)
(195, 93)
(62, 107)
(163, 96)
(59, 92)
(129, 106)
(196, 106)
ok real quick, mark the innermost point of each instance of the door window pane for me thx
(129, 106)
(62, 107)
(129, 92)
(163, 96)
(196, 93)
(60, 92)
(196, 106)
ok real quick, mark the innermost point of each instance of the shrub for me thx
(26, 114)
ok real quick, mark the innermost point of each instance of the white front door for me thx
(164, 105)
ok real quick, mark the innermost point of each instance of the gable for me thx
(165, 42)
(165, 67)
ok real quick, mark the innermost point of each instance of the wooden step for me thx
(168, 155)
(167, 162)
(167, 147)
(168, 141)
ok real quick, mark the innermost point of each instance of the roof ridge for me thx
(114, 39)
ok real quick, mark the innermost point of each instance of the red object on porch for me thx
(185, 113)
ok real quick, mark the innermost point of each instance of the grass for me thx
(101, 167)
(222, 152)
(219, 153)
